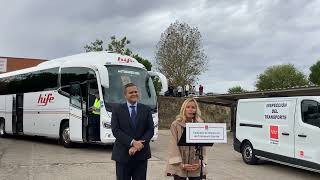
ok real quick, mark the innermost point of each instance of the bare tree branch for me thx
(180, 55)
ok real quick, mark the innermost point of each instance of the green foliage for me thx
(119, 46)
(236, 89)
(145, 62)
(95, 46)
(314, 76)
(157, 84)
(281, 76)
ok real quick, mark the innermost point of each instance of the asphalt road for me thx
(36, 158)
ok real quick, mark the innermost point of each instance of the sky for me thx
(240, 38)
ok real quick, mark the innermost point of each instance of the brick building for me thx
(8, 64)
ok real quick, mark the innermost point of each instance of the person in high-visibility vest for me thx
(96, 106)
(94, 122)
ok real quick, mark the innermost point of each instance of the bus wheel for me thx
(2, 129)
(248, 155)
(65, 135)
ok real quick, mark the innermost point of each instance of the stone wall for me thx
(169, 108)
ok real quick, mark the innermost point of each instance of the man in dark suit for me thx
(132, 126)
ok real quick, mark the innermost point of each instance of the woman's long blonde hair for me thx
(182, 115)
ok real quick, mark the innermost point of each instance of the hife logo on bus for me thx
(44, 100)
(125, 60)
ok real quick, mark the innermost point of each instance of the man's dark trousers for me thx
(135, 169)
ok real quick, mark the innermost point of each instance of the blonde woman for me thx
(183, 162)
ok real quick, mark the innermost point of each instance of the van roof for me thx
(231, 99)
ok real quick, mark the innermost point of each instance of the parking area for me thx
(43, 159)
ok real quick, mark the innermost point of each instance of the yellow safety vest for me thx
(96, 106)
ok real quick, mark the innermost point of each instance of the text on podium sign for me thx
(206, 133)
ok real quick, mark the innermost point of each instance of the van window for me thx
(310, 111)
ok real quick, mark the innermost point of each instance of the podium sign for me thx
(206, 133)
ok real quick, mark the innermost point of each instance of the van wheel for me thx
(65, 135)
(2, 129)
(248, 155)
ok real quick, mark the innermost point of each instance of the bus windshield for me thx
(122, 75)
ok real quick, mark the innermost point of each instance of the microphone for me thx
(194, 117)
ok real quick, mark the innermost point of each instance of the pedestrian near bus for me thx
(179, 89)
(187, 88)
(200, 90)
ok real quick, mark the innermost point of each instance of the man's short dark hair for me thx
(126, 86)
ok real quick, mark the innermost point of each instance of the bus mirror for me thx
(104, 76)
(162, 79)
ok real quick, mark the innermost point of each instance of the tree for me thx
(119, 46)
(314, 76)
(157, 84)
(281, 76)
(95, 46)
(236, 89)
(180, 55)
(145, 62)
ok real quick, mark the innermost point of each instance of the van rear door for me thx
(307, 132)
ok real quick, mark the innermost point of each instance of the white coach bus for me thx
(53, 98)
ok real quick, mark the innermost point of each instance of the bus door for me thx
(17, 113)
(77, 108)
(93, 122)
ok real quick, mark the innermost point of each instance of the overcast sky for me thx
(240, 38)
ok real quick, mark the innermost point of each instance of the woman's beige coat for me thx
(182, 154)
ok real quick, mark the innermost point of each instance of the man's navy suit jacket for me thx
(124, 131)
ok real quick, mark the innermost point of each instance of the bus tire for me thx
(65, 135)
(248, 154)
(2, 129)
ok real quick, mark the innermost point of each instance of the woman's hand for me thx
(189, 167)
(194, 167)
(185, 166)
(199, 119)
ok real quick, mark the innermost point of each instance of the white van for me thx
(285, 130)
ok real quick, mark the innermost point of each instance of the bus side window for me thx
(75, 74)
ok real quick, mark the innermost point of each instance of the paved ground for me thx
(42, 159)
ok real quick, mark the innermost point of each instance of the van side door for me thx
(307, 132)
(279, 117)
